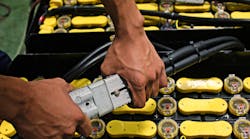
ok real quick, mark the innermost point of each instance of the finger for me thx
(84, 126)
(138, 96)
(163, 79)
(155, 88)
(149, 89)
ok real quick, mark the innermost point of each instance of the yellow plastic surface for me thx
(148, 109)
(167, 106)
(240, 15)
(57, 3)
(183, 25)
(24, 79)
(233, 84)
(78, 83)
(147, 6)
(214, 129)
(7, 129)
(246, 84)
(192, 8)
(233, 6)
(89, 21)
(241, 128)
(46, 27)
(151, 28)
(50, 21)
(44, 31)
(86, 30)
(2, 136)
(217, 106)
(83, 2)
(199, 85)
(131, 129)
(238, 105)
(167, 128)
(170, 88)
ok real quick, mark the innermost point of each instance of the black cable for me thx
(196, 48)
(161, 46)
(77, 69)
(204, 54)
(7, 11)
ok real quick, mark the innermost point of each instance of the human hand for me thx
(49, 112)
(135, 59)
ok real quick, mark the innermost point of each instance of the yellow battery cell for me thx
(198, 129)
(46, 27)
(98, 128)
(2, 136)
(79, 83)
(45, 31)
(148, 109)
(147, 6)
(188, 8)
(167, 128)
(7, 129)
(183, 25)
(64, 21)
(238, 105)
(240, 15)
(246, 84)
(86, 2)
(234, 6)
(233, 84)
(188, 106)
(167, 106)
(89, 21)
(170, 88)
(50, 21)
(241, 128)
(151, 28)
(70, 2)
(60, 30)
(131, 129)
(87, 30)
(199, 85)
(57, 3)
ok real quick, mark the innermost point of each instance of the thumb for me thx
(84, 126)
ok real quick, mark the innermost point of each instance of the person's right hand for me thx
(50, 113)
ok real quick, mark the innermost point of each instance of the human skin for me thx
(41, 109)
(132, 55)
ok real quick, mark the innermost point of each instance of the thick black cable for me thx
(204, 54)
(195, 48)
(72, 73)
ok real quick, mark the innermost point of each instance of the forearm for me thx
(126, 17)
(12, 96)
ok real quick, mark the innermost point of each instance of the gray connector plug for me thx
(101, 97)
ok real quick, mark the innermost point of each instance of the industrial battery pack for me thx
(211, 90)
